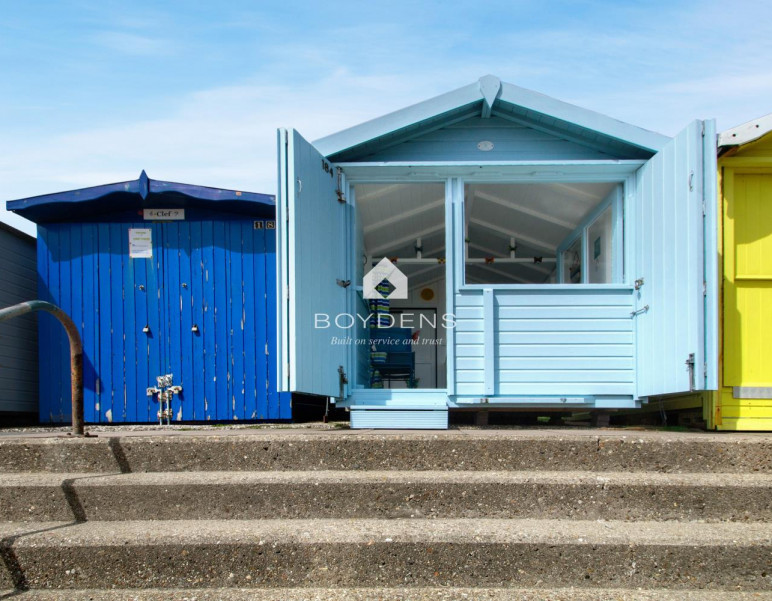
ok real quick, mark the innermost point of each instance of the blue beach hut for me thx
(164, 279)
(555, 258)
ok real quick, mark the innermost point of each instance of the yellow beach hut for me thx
(744, 398)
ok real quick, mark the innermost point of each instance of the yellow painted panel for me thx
(732, 411)
(764, 425)
(748, 333)
(753, 225)
(730, 400)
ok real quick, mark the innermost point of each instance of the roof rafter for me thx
(405, 215)
(525, 210)
(512, 233)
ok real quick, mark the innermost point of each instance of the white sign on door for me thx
(163, 214)
(140, 243)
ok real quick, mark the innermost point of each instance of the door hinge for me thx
(704, 288)
(267, 352)
(705, 370)
(300, 185)
(339, 191)
(691, 180)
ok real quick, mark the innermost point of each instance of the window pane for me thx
(513, 231)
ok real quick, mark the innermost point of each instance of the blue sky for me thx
(94, 92)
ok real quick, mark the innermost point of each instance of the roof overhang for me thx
(745, 134)
(138, 194)
(486, 97)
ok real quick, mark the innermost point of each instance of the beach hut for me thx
(496, 248)
(18, 337)
(744, 400)
(173, 288)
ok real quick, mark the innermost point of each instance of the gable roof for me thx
(137, 194)
(486, 97)
(746, 133)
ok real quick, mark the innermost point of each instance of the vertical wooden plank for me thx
(219, 277)
(252, 318)
(197, 305)
(128, 318)
(89, 299)
(154, 315)
(143, 376)
(173, 308)
(489, 338)
(210, 374)
(711, 252)
(238, 305)
(188, 376)
(64, 294)
(107, 380)
(275, 405)
(46, 364)
(78, 290)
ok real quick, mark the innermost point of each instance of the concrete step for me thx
(388, 594)
(386, 494)
(542, 450)
(376, 553)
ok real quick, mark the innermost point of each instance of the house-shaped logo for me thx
(384, 270)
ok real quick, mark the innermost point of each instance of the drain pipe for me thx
(76, 353)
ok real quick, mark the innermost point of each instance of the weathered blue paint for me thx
(214, 271)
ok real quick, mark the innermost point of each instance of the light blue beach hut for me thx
(556, 259)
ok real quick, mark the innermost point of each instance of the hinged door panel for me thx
(673, 193)
(313, 280)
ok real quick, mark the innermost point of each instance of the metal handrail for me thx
(76, 353)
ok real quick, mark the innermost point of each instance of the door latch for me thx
(643, 309)
(690, 367)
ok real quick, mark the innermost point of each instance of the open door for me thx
(313, 278)
(675, 265)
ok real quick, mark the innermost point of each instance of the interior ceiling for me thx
(539, 217)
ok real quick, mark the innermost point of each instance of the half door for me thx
(675, 266)
(313, 276)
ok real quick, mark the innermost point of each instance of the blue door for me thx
(190, 298)
(675, 265)
(314, 283)
(217, 279)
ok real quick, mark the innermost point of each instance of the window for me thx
(543, 233)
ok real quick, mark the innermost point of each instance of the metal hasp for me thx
(76, 353)
(165, 390)
(690, 366)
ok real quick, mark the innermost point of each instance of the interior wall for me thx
(424, 349)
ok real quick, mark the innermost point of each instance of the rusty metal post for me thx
(76, 353)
